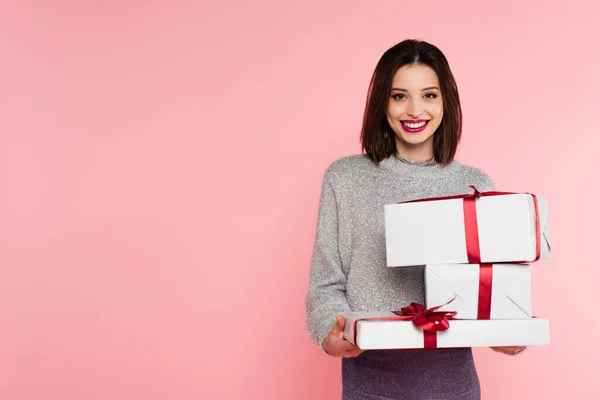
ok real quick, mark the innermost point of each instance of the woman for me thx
(411, 129)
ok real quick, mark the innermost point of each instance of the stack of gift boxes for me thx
(478, 250)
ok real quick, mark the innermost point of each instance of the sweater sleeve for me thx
(326, 296)
(485, 183)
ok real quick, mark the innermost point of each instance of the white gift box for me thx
(377, 334)
(510, 290)
(435, 231)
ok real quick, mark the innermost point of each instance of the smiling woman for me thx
(414, 114)
(413, 107)
(411, 128)
(415, 110)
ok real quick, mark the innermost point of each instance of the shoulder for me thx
(349, 167)
(475, 176)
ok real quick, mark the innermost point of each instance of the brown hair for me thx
(377, 138)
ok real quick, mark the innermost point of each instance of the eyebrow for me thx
(427, 88)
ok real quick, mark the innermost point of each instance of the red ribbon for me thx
(484, 305)
(428, 320)
(470, 218)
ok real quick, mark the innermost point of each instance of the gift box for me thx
(480, 291)
(385, 330)
(488, 227)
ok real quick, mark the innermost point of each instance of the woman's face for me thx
(415, 110)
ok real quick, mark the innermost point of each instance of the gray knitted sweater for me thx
(348, 271)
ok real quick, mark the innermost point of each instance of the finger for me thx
(499, 349)
(509, 350)
(353, 353)
(340, 323)
(344, 345)
(516, 349)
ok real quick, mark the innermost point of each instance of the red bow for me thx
(428, 320)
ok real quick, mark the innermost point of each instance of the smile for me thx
(414, 126)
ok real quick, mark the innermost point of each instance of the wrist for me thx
(324, 346)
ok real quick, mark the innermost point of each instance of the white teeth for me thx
(414, 126)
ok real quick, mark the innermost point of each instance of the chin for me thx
(415, 139)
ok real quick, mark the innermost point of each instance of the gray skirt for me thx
(424, 374)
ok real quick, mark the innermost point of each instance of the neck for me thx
(416, 154)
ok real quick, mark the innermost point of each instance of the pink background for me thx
(160, 165)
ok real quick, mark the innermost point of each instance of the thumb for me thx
(340, 323)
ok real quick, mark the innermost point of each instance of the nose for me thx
(414, 110)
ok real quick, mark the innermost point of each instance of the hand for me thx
(335, 344)
(510, 350)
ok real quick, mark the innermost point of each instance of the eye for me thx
(395, 97)
(431, 95)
